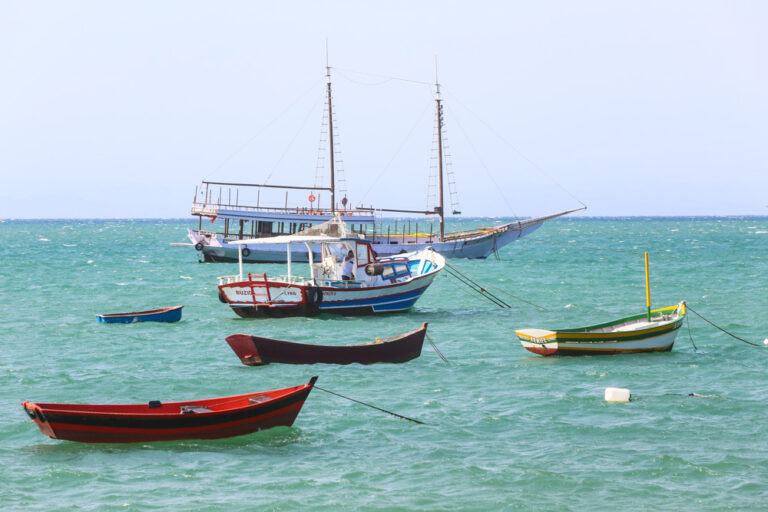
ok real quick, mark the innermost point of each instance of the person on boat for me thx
(347, 266)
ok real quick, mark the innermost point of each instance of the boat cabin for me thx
(367, 269)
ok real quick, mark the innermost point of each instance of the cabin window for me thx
(365, 254)
(388, 272)
(264, 228)
(362, 255)
(401, 269)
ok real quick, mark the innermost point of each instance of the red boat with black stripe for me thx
(211, 418)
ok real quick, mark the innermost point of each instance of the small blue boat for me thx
(171, 314)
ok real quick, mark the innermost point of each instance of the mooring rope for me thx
(476, 288)
(478, 283)
(689, 308)
(688, 324)
(369, 405)
(435, 347)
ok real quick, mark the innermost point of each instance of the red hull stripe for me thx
(88, 436)
(125, 426)
(284, 416)
(175, 421)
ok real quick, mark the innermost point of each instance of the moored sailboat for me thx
(243, 221)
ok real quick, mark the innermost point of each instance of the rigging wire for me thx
(385, 78)
(214, 172)
(397, 152)
(499, 189)
(296, 136)
(519, 153)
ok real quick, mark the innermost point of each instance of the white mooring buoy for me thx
(617, 395)
(765, 342)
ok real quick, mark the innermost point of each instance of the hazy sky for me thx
(118, 109)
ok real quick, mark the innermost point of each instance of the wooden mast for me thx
(438, 100)
(330, 131)
(647, 288)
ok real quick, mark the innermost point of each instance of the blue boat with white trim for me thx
(349, 279)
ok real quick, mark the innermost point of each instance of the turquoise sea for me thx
(505, 429)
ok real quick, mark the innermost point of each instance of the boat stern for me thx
(242, 345)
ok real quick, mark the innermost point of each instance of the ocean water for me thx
(505, 429)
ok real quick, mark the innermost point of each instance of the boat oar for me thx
(369, 405)
(435, 347)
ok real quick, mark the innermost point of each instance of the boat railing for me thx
(261, 278)
(229, 279)
(212, 209)
(404, 234)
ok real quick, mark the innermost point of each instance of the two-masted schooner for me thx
(242, 221)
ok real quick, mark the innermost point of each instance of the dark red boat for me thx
(155, 421)
(255, 350)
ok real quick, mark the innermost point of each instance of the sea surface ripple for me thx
(504, 429)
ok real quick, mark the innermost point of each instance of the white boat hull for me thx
(477, 246)
(631, 334)
(660, 343)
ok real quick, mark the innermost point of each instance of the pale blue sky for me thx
(118, 109)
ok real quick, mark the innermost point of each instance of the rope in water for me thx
(688, 324)
(435, 347)
(485, 285)
(475, 287)
(689, 308)
(369, 405)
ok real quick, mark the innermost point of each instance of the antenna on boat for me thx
(438, 101)
(330, 130)
(647, 288)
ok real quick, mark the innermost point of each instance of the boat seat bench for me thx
(193, 409)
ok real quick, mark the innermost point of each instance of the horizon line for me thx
(679, 216)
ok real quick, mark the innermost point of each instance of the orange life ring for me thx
(311, 198)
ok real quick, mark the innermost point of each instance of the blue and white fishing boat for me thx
(349, 278)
